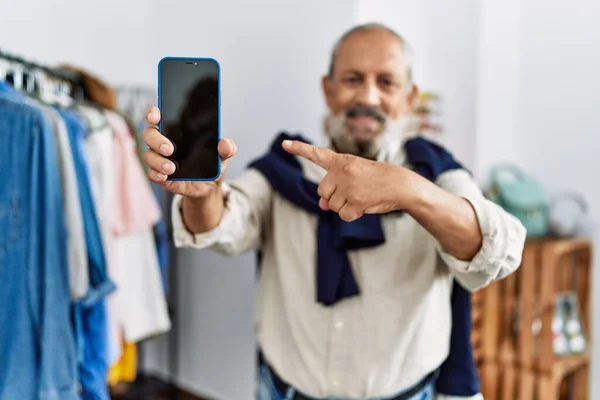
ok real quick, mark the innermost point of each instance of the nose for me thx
(369, 95)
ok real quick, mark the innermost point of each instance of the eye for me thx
(351, 79)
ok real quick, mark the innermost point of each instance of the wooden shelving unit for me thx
(513, 325)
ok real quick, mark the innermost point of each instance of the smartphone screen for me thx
(189, 103)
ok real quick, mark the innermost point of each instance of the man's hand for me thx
(160, 167)
(202, 203)
(354, 186)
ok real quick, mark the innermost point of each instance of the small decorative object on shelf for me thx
(427, 110)
(561, 342)
(570, 216)
(521, 195)
(573, 326)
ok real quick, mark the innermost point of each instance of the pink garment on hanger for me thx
(136, 207)
(138, 308)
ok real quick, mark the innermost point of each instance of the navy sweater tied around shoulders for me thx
(335, 280)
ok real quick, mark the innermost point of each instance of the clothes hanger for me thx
(18, 76)
(29, 82)
(47, 91)
(59, 97)
(65, 96)
(51, 86)
(4, 66)
(12, 75)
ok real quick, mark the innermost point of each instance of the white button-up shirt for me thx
(397, 330)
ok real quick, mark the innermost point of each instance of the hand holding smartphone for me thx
(190, 103)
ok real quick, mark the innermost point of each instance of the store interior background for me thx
(518, 78)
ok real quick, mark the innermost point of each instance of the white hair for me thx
(371, 26)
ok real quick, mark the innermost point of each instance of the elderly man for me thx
(361, 243)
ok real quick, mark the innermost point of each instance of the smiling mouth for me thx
(364, 121)
(357, 114)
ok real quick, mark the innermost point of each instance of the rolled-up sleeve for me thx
(503, 236)
(247, 210)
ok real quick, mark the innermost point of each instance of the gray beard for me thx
(393, 131)
(343, 145)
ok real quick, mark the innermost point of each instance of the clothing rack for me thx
(53, 96)
(65, 75)
(71, 77)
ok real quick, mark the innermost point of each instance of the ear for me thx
(326, 86)
(413, 96)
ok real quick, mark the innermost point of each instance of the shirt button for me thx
(339, 325)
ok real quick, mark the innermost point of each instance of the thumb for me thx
(319, 155)
(226, 149)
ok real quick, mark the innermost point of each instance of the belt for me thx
(282, 387)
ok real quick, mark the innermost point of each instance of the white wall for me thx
(537, 102)
(108, 37)
(498, 84)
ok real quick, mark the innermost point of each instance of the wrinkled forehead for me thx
(372, 52)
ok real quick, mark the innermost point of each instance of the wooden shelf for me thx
(512, 336)
(566, 365)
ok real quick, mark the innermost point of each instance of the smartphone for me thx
(189, 99)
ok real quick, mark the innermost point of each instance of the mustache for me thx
(357, 111)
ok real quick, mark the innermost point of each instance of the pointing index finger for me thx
(321, 156)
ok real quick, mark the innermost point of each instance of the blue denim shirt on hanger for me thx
(37, 349)
(91, 313)
(100, 283)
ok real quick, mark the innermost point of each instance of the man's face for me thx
(368, 91)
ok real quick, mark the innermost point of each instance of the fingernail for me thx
(149, 115)
(164, 149)
(287, 143)
(159, 176)
(167, 167)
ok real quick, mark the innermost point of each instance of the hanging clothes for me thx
(100, 283)
(76, 246)
(133, 103)
(96, 90)
(91, 315)
(125, 370)
(80, 280)
(141, 304)
(98, 145)
(38, 358)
